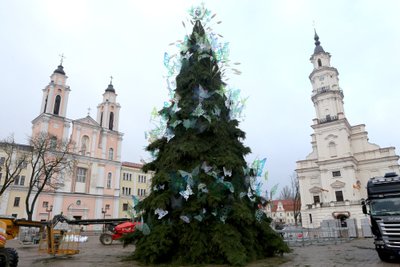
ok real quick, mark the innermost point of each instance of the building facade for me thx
(92, 188)
(333, 177)
(281, 211)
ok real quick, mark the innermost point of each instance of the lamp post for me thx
(104, 211)
(49, 210)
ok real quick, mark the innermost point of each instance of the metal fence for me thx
(309, 236)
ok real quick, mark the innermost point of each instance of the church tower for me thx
(334, 175)
(52, 116)
(108, 110)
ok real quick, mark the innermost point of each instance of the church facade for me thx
(92, 188)
(333, 177)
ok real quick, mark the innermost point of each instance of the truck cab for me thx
(383, 207)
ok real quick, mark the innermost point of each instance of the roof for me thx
(288, 204)
(110, 88)
(318, 48)
(132, 164)
(60, 70)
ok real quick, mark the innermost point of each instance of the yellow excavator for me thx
(52, 241)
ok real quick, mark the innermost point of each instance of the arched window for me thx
(110, 154)
(319, 63)
(57, 105)
(332, 149)
(109, 180)
(84, 144)
(111, 122)
(101, 119)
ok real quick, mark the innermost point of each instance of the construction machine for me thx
(55, 240)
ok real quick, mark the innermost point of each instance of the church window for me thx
(336, 174)
(111, 122)
(319, 62)
(316, 199)
(84, 144)
(339, 195)
(110, 154)
(310, 216)
(109, 179)
(101, 119)
(333, 151)
(53, 142)
(81, 175)
(57, 105)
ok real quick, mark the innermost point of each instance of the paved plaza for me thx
(356, 252)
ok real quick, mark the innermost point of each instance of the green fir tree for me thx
(203, 207)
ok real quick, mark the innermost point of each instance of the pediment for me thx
(338, 184)
(88, 120)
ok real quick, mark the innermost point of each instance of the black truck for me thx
(383, 207)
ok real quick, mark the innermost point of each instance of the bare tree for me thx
(13, 162)
(292, 192)
(50, 160)
(286, 193)
(294, 180)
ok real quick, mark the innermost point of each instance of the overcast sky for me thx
(273, 40)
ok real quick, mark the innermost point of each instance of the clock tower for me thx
(326, 93)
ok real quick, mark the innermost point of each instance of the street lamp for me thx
(104, 211)
(49, 210)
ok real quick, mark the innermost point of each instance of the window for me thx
(339, 195)
(14, 215)
(2, 159)
(111, 122)
(57, 105)
(16, 201)
(316, 199)
(45, 104)
(310, 216)
(107, 206)
(125, 206)
(336, 174)
(101, 119)
(141, 192)
(109, 178)
(19, 180)
(53, 142)
(319, 62)
(81, 175)
(142, 178)
(332, 150)
(110, 154)
(45, 204)
(127, 176)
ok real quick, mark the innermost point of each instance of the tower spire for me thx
(318, 48)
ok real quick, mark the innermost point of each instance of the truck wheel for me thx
(12, 256)
(384, 256)
(4, 258)
(106, 239)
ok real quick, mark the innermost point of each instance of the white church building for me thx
(333, 177)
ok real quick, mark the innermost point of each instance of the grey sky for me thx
(273, 40)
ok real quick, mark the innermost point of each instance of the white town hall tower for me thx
(333, 177)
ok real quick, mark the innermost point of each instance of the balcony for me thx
(328, 118)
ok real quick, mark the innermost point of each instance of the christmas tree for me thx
(203, 207)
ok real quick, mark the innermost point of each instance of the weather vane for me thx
(61, 58)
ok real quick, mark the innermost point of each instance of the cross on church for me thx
(61, 58)
(88, 113)
(111, 78)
